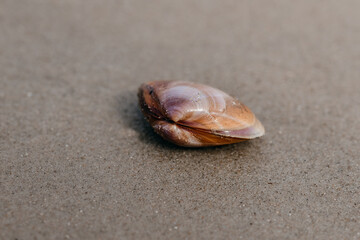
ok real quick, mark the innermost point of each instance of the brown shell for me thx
(196, 115)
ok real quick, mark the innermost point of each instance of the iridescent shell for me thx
(195, 115)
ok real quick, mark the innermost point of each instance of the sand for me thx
(78, 161)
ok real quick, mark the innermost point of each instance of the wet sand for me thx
(78, 160)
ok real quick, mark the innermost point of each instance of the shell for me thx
(195, 115)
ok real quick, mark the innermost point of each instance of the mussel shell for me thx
(195, 115)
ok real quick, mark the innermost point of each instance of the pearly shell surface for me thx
(195, 115)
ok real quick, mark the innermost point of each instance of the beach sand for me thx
(78, 160)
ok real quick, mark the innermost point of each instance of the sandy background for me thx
(78, 161)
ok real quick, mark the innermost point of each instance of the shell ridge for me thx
(217, 133)
(241, 122)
